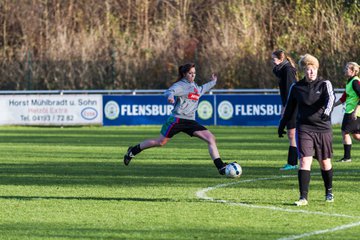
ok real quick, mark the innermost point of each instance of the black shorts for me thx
(174, 125)
(349, 125)
(316, 144)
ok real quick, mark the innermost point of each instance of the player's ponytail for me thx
(291, 61)
(281, 55)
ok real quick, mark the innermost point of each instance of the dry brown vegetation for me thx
(128, 44)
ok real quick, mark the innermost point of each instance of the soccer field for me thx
(70, 183)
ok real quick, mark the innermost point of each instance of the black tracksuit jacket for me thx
(312, 100)
(287, 76)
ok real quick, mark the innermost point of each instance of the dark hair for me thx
(280, 54)
(183, 69)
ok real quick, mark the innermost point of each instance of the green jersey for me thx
(352, 98)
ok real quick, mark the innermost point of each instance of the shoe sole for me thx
(126, 160)
(330, 199)
(344, 160)
(299, 204)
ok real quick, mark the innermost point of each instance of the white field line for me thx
(338, 228)
(201, 194)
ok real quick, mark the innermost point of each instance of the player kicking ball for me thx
(185, 95)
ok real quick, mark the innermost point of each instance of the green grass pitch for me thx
(70, 183)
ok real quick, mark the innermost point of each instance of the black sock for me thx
(304, 181)
(218, 163)
(327, 177)
(136, 149)
(347, 151)
(292, 156)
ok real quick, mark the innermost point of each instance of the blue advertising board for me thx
(135, 110)
(148, 110)
(205, 114)
(248, 110)
(225, 109)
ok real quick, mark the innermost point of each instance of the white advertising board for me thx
(51, 109)
(338, 112)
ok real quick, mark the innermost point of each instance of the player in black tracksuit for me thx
(284, 69)
(314, 98)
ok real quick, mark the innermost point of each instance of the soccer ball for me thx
(233, 170)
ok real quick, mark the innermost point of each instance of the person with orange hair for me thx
(314, 98)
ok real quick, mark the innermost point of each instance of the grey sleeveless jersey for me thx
(187, 95)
